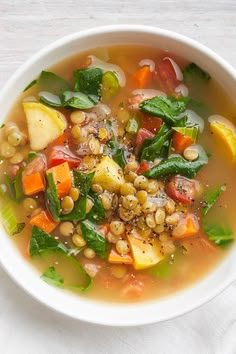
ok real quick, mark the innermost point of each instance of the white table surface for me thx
(27, 327)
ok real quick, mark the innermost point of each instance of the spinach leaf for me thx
(153, 148)
(41, 242)
(97, 213)
(31, 84)
(218, 234)
(19, 227)
(167, 108)
(52, 83)
(18, 185)
(177, 165)
(79, 211)
(94, 240)
(88, 81)
(211, 198)
(51, 277)
(79, 100)
(119, 158)
(52, 201)
(50, 99)
(83, 181)
(194, 75)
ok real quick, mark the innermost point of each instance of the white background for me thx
(26, 327)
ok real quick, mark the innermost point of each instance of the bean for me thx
(159, 228)
(130, 176)
(10, 127)
(74, 194)
(115, 202)
(129, 202)
(112, 238)
(122, 247)
(153, 186)
(78, 240)
(14, 138)
(67, 204)
(106, 200)
(89, 205)
(89, 253)
(127, 188)
(78, 117)
(118, 271)
(191, 153)
(126, 215)
(141, 182)
(7, 150)
(131, 166)
(29, 204)
(150, 221)
(142, 196)
(66, 228)
(172, 219)
(148, 207)
(97, 188)
(17, 158)
(76, 132)
(160, 216)
(141, 223)
(117, 227)
(138, 210)
(94, 146)
(170, 206)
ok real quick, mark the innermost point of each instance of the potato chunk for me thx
(109, 175)
(146, 252)
(45, 124)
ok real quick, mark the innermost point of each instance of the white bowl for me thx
(74, 305)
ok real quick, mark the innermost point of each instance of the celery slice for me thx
(110, 85)
(188, 131)
(9, 219)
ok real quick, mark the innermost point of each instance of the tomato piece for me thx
(151, 123)
(60, 154)
(180, 142)
(165, 76)
(143, 134)
(182, 189)
(144, 166)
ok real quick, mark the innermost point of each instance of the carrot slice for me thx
(33, 183)
(142, 77)
(187, 228)
(180, 142)
(62, 178)
(115, 257)
(44, 221)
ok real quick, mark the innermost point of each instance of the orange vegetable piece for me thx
(181, 142)
(190, 229)
(104, 229)
(44, 221)
(33, 183)
(115, 257)
(142, 77)
(62, 178)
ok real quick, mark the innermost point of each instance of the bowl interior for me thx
(76, 306)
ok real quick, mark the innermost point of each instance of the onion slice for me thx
(178, 72)
(148, 93)
(194, 118)
(97, 63)
(216, 118)
(148, 62)
(182, 89)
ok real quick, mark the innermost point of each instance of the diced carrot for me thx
(33, 183)
(62, 178)
(115, 257)
(62, 140)
(143, 167)
(142, 77)
(188, 227)
(44, 221)
(181, 142)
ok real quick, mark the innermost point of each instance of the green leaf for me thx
(52, 83)
(51, 277)
(94, 240)
(97, 213)
(112, 144)
(218, 234)
(52, 201)
(167, 108)
(50, 99)
(153, 148)
(163, 269)
(83, 181)
(88, 81)
(199, 107)
(79, 211)
(119, 158)
(110, 85)
(177, 165)
(19, 194)
(19, 227)
(79, 100)
(194, 75)
(41, 242)
(211, 197)
(31, 84)
(10, 186)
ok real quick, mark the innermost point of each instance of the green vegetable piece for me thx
(112, 144)
(163, 269)
(52, 201)
(79, 100)
(199, 107)
(97, 213)
(31, 84)
(51, 277)
(50, 99)
(177, 165)
(19, 227)
(31, 155)
(218, 234)
(94, 240)
(79, 211)
(211, 198)
(110, 85)
(10, 186)
(41, 242)
(2, 126)
(18, 185)
(194, 75)
(52, 83)
(119, 158)
(192, 132)
(167, 108)
(88, 81)
(133, 125)
(154, 148)
(9, 220)
(83, 181)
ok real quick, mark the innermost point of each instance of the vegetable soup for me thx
(117, 170)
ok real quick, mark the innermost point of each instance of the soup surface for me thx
(116, 173)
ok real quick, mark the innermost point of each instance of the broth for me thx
(193, 257)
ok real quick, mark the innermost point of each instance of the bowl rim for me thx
(98, 31)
